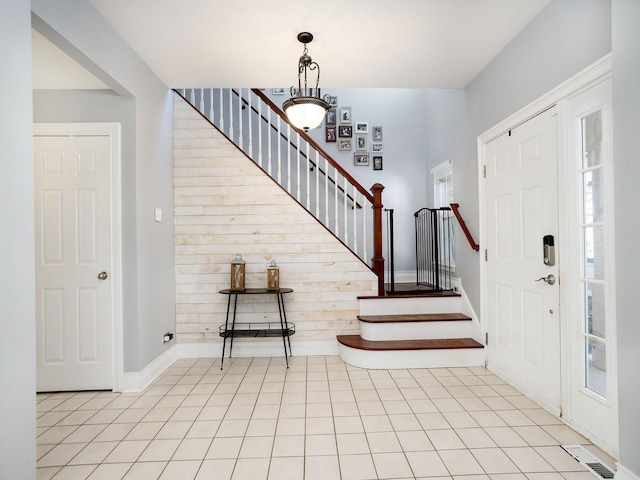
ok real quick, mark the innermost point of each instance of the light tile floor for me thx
(319, 419)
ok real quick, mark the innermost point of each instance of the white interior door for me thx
(592, 405)
(73, 262)
(521, 207)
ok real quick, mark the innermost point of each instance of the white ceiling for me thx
(358, 43)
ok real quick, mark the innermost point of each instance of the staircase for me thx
(413, 331)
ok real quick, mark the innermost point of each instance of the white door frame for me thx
(590, 76)
(113, 131)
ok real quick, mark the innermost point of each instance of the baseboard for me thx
(467, 309)
(138, 381)
(273, 348)
(623, 473)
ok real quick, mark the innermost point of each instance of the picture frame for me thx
(330, 134)
(377, 147)
(345, 116)
(361, 143)
(344, 145)
(377, 162)
(345, 131)
(278, 91)
(331, 100)
(361, 159)
(376, 134)
(362, 127)
(331, 116)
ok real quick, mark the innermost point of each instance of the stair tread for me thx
(355, 341)
(410, 295)
(422, 317)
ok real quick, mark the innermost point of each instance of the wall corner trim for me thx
(139, 381)
(623, 473)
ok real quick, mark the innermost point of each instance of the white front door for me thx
(73, 262)
(592, 405)
(521, 208)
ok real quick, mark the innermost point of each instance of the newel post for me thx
(377, 260)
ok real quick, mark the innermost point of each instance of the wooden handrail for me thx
(474, 245)
(315, 145)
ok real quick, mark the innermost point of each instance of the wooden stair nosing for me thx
(422, 317)
(412, 295)
(355, 341)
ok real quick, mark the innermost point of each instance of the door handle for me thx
(102, 275)
(550, 279)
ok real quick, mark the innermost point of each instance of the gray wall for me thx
(79, 30)
(17, 301)
(626, 105)
(565, 37)
(77, 106)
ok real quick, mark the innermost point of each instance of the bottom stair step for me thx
(422, 353)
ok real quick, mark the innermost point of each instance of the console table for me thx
(282, 328)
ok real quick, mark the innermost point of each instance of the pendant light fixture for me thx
(306, 108)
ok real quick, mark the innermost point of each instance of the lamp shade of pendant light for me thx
(306, 108)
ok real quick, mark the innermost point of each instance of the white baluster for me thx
(202, 101)
(240, 120)
(298, 167)
(336, 186)
(211, 105)
(193, 97)
(231, 114)
(355, 218)
(221, 112)
(269, 135)
(260, 131)
(326, 192)
(346, 219)
(308, 183)
(288, 158)
(364, 228)
(279, 140)
(250, 117)
(317, 169)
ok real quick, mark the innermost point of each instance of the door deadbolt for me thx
(102, 275)
(550, 279)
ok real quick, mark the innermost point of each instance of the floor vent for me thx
(590, 461)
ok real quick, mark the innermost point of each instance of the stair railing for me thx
(249, 119)
(455, 207)
(434, 248)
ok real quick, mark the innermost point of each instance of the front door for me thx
(73, 259)
(522, 288)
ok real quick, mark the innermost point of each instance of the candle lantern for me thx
(273, 276)
(237, 274)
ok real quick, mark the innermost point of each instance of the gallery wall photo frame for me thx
(376, 134)
(333, 101)
(377, 147)
(331, 116)
(377, 162)
(361, 143)
(330, 134)
(344, 145)
(345, 116)
(345, 131)
(278, 91)
(362, 127)
(361, 159)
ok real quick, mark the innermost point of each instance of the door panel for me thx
(74, 317)
(521, 206)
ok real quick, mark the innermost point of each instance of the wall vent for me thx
(590, 461)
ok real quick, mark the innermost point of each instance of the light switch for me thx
(157, 214)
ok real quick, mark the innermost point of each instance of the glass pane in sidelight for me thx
(595, 310)
(593, 238)
(592, 139)
(592, 196)
(596, 366)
